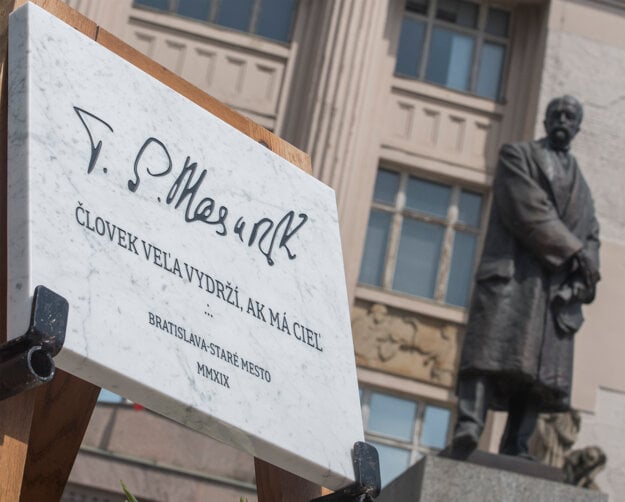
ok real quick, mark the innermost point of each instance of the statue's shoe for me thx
(462, 445)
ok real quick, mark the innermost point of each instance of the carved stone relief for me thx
(582, 466)
(410, 346)
(552, 444)
(554, 436)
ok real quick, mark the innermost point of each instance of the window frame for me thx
(450, 224)
(417, 450)
(478, 33)
(213, 13)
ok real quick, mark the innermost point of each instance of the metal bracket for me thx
(367, 470)
(26, 361)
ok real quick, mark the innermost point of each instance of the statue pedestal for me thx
(437, 479)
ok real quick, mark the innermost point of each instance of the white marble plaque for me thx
(203, 272)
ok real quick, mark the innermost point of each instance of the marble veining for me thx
(204, 273)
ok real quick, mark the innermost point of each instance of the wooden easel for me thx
(41, 430)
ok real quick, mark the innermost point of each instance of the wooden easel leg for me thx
(16, 412)
(15, 418)
(41, 429)
(40, 433)
(62, 412)
(277, 485)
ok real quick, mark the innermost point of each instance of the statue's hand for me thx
(583, 293)
(587, 269)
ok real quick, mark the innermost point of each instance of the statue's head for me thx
(378, 312)
(562, 121)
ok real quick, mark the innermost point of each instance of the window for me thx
(422, 237)
(106, 396)
(271, 19)
(402, 430)
(459, 44)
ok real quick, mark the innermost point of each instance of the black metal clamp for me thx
(367, 471)
(26, 361)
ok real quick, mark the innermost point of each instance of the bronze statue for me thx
(539, 264)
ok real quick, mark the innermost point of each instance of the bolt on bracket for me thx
(26, 361)
(367, 470)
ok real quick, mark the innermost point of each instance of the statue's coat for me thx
(511, 332)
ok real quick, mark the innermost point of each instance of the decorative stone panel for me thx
(405, 344)
(444, 130)
(248, 80)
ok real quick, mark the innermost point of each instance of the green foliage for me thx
(131, 497)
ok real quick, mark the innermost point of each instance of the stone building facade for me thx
(402, 105)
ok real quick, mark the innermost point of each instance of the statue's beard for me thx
(560, 137)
